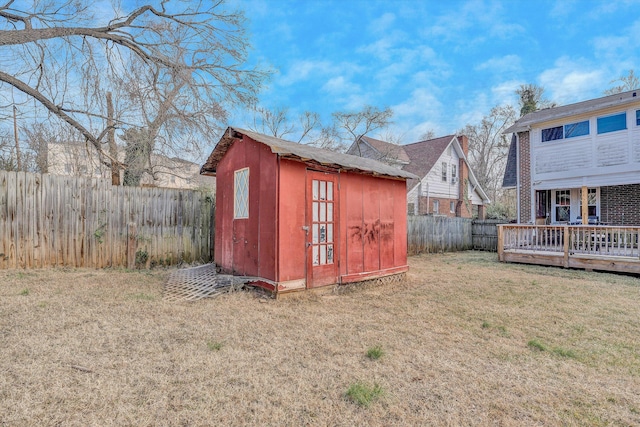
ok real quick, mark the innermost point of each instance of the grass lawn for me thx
(465, 341)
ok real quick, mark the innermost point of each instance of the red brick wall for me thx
(620, 205)
(525, 177)
(444, 206)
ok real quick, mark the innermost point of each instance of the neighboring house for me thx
(77, 159)
(578, 161)
(295, 217)
(445, 184)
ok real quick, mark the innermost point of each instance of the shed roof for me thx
(301, 152)
(554, 113)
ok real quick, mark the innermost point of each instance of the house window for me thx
(612, 123)
(551, 134)
(541, 204)
(563, 205)
(638, 117)
(576, 129)
(592, 203)
(454, 174)
(452, 207)
(570, 130)
(444, 171)
(436, 207)
(241, 194)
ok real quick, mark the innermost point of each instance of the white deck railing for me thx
(597, 240)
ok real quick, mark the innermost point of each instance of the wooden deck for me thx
(589, 247)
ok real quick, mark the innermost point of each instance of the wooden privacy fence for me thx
(485, 234)
(445, 234)
(50, 221)
(438, 234)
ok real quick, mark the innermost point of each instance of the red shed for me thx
(299, 217)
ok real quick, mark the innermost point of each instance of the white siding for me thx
(439, 188)
(593, 160)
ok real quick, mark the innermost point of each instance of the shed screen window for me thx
(612, 123)
(444, 171)
(241, 194)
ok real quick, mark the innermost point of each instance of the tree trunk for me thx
(113, 148)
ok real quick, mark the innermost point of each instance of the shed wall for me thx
(373, 226)
(291, 212)
(247, 246)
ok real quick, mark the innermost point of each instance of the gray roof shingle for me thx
(302, 152)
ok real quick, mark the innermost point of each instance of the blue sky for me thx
(438, 64)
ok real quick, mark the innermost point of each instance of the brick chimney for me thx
(463, 179)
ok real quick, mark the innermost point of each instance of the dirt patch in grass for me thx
(94, 347)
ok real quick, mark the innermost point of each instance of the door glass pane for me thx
(329, 212)
(323, 254)
(329, 254)
(323, 233)
(315, 211)
(316, 259)
(315, 189)
(323, 212)
(315, 233)
(330, 233)
(329, 190)
(323, 190)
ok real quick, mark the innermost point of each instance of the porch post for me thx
(585, 208)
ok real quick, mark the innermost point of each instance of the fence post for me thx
(132, 245)
(500, 242)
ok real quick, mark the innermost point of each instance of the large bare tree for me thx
(625, 83)
(351, 126)
(488, 147)
(172, 62)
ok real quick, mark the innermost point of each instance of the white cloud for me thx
(301, 70)
(501, 64)
(383, 23)
(572, 80)
(505, 93)
(421, 112)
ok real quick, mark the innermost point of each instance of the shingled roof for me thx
(546, 114)
(424, 155)
(301, 152)
(387, 150)
(509, 180)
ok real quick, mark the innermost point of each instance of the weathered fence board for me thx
(434, 234)
(485, 234)
(438, 234)
(49, 221)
